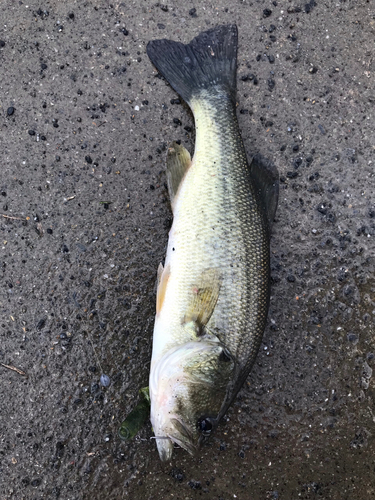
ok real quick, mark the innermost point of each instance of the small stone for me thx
(353, 338)
(105, 380)
(88, 159)
(271, 84)
(193, 12)
(195, 485)
(321, 128)
(267, 12)
(2, 43)
(31, 132)
(292, 175)
(10, 111)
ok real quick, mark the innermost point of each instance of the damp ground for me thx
(84, 219)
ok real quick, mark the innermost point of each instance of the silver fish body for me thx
(213, 290)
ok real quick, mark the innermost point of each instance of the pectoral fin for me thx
(163, 277)
(160, 272)
(204, 297)
(178, 162)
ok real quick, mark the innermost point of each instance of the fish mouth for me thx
(165, 448)
(183, 438)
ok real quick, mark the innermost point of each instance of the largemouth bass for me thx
(213, 290)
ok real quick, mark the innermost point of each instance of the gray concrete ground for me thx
(84, 220)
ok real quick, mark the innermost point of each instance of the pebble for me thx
(177, 474)
(193, 12)
(271, 84)
(267, 12)
(105, 380)
(94, 387)
(2, 43)
(321, 128)
(353, 338)
(41, 323)
(10, 111)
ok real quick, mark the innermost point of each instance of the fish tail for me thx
(207, 63)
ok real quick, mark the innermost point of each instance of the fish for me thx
(214, 287)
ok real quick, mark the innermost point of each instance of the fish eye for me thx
(205, 426)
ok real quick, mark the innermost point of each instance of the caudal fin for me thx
(207, 63)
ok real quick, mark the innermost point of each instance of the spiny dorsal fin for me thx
(178, 162)
(204, 297)
(266, 179)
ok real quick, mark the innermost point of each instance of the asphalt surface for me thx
(84, 219)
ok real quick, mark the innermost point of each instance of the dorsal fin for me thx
(266, 179)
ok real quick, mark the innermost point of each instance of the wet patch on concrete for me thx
(84, 219)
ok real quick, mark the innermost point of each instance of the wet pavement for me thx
(84, 219)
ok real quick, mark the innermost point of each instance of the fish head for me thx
(188, 388)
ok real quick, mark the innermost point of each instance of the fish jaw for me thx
(165, 448)
(188, 384)
(168, 382)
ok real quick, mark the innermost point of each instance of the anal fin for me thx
(178, 162)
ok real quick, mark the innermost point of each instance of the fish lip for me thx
(165, 452)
